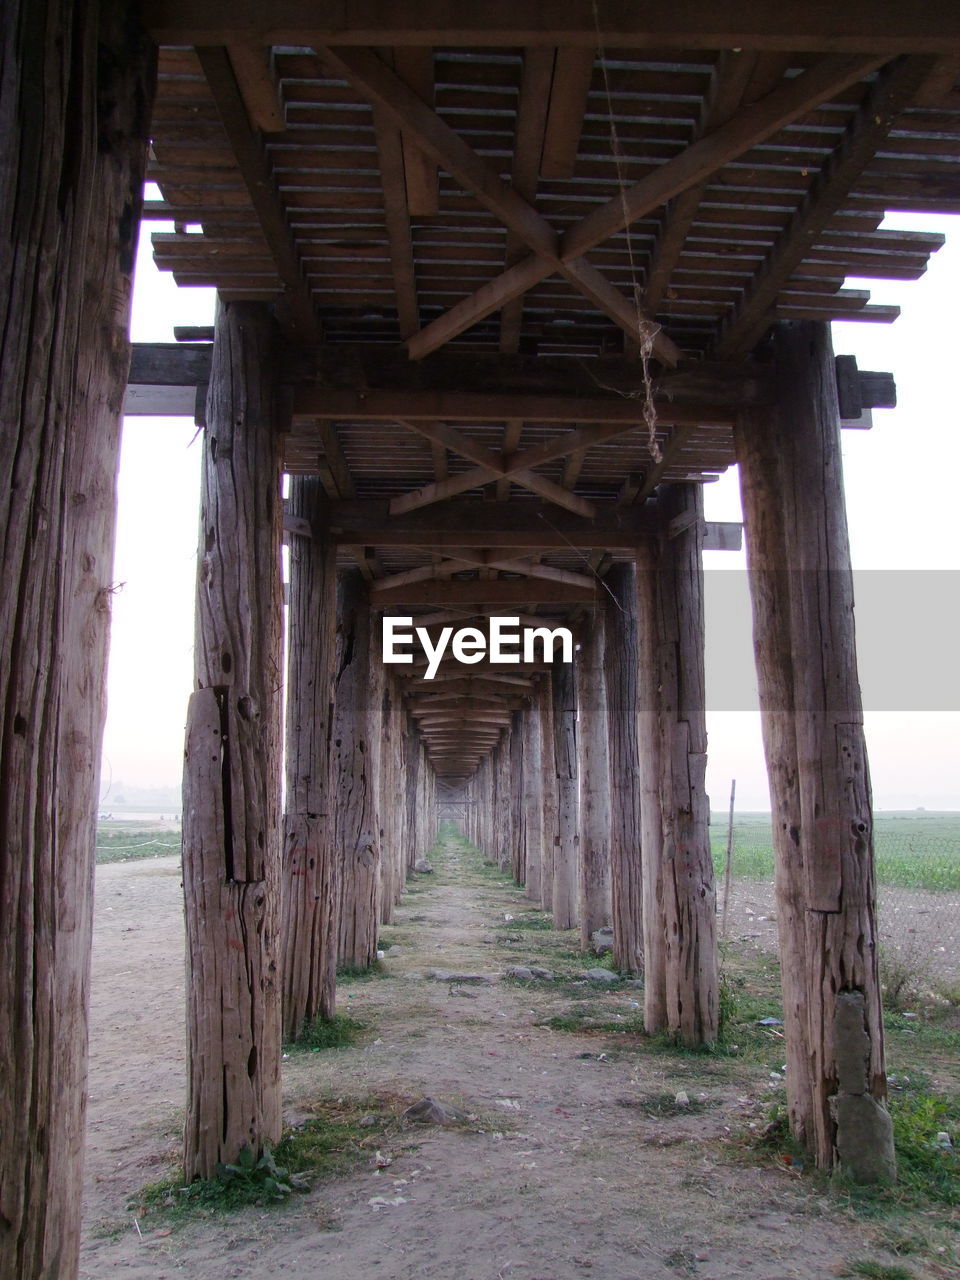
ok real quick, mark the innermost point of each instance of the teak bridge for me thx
(501, 286)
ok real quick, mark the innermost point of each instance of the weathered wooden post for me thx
(651, 818)
(75, 94)
(566, 857)
(594, 767)
(621, 666)
(309, 868)
(518, 814)
(687, 888)
(355, 771)
(532, 800)
(548, 793)
(231, 779)
(812, 716)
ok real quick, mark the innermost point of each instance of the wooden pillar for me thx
(812, 717)
(504, 806)
(686, 891)
(532, 801)
(651, 817)
(517, 812)
(309, 868)
(621, 667)
(548, 793)
(355, 771)
(75, 95)
(566, 856)
(231, 780)
(390, 811)
(594, 783)
(411, 764)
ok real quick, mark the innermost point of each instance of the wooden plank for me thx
(511, 440)
(414, 65)
(335, 459)
(886, 25)
(657, 471)
(297, 308)
(573, 70)
(258, 84)
(893, 91)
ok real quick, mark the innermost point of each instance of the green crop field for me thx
(915, 849)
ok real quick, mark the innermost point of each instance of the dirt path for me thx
(564, 1171)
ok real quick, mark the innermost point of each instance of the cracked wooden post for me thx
(813, 723)
(594, 767)
(686, 894)
(621, 667)
(75, 96)
(566, 860)
(355, 772)
(517, 824)
(309, 870)
(231, 780)
(651, 818)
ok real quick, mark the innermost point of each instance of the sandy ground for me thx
(558, 1176)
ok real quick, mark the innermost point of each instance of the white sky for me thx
(901, 482)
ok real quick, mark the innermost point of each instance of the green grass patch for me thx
(337, 1032)
(877, 1270)
(337, 1138)
(134, 842)
(663, 1105)
(363, 973)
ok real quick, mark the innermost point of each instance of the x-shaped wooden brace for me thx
(518, 467)
(457, 559)
(550, 254)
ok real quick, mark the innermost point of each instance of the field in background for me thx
(915, 849)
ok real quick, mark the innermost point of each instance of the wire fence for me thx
(918, 892)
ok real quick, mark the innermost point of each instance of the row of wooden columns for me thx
(595, 799)
(256, 955)
(70, 213)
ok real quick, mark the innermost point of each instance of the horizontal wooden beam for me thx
(478, 591)
(890, 26)
(453, 406)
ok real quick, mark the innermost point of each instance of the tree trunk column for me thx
(309, 867)
(651, 818)
(231, 782)
(356, 756)
(566, 859)
(621, 668)
(532, 800)
(686, 893)
(843, 1058)
(75, 101)
(594, 783)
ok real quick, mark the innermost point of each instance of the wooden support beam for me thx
(397, 219)
(258, 84)
(414, 65)
(309, 922)
(749, 127)
(355, 774)
(572, 73)
(894, 90)
(678, 438)
(594, 771)
(452, 406)
(567, 850)
(231, 783)
(296, 311)
(885, 25)
(511, 441)
(812, 717)
(366, 73)
(621, 663)
(78, 84)
(524, 172)
(499, 592)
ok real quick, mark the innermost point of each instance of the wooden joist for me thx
(886, 25)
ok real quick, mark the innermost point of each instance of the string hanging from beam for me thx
(647, 330)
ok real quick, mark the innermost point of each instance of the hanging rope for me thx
(647, 330)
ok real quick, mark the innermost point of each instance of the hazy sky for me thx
(901, 481)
